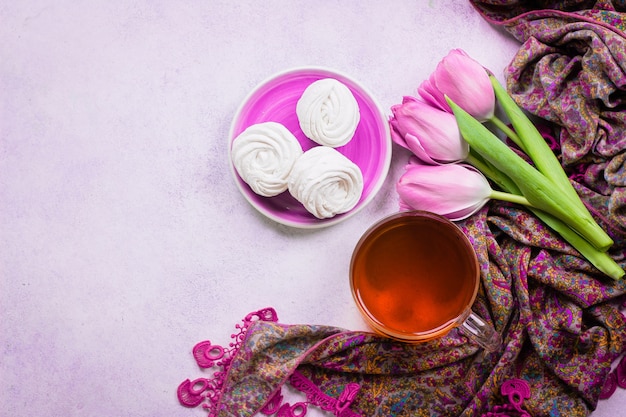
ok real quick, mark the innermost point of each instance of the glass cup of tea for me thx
(414, 276)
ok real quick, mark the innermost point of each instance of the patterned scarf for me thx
(559, 318)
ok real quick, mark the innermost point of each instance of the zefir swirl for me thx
(328, 113)
(264, 155)
(325, 182)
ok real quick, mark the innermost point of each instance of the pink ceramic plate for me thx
(275, 100)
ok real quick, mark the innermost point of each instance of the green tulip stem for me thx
(540, 191)
(600, 259)
(498, 177)
(483, 166)
(508, 131)
(534, 145)
(511, 198)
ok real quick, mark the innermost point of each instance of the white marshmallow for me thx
(325, 182)
(328, 113)
(264, 155)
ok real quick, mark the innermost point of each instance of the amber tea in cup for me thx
(414, 276)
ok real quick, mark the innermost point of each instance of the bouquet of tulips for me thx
(455, 152)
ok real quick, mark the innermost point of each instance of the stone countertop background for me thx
(124, 239)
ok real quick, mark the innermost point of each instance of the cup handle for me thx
(481, 332)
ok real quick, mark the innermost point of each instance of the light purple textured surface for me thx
(123, 237)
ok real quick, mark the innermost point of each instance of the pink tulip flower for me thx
(465, 81)
(430, 133)
(455, 191)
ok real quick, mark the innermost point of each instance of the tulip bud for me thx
(455, 191)
(430, 133)
(464, 81)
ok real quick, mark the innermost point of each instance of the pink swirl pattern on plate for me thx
(275, 100)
